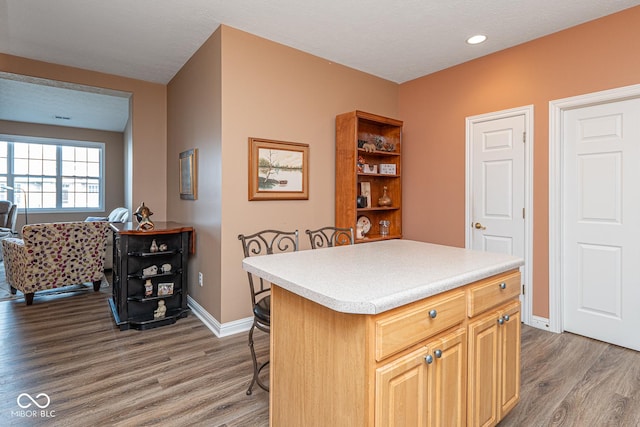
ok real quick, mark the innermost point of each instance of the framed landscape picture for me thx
(278, 170)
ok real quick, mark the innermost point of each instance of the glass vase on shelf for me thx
(384, 200)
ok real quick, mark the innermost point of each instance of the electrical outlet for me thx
(200, 278)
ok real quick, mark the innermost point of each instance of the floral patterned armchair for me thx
(54, 255)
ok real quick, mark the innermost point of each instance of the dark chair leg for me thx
(257, 368)
(13, 290)
(28, 298)
(96, 285)
(254, 359)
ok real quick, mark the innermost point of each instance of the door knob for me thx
(479, 226)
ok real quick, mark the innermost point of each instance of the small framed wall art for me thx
(189, 174)
(278, 170)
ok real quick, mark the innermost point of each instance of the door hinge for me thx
(524, 137)
(522, 213)
(523, 289)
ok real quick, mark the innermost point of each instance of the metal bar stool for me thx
(330, 236)
(264, 242)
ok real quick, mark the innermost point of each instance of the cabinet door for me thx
(510, 358)
(483, 371)
(401, 391)
(448, 381)
(494, 365)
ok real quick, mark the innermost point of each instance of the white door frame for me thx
(556, 226)
(527, 276)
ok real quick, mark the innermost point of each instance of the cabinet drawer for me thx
(409, 325)
(492, 292)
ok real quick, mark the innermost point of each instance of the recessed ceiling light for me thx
(479, 38)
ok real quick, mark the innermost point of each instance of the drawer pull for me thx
(433, 314)
(438, 353)
(429, 359)
(503, 285)
(506, 317)
(501, 321)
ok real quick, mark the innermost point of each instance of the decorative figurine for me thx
(148, 288)
(166, 268)
(150, 271)
(360, 164)
(369, 147)
(142, 214)
(154, 246)
(163, 247)
(160, 311)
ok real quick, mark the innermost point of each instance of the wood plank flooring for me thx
(69, 348)
(182, 375)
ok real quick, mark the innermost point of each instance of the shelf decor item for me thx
(278, 170)
(165, 289)
(387, 168)
(143, 215)
(188, 174)
(161, 311)
(364, 225)
(365, 190)
(384, 200)
(152, 270)
(384, 228)
(148, 288)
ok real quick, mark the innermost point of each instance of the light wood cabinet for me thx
(428, 363)
(494, 364)
(426, 387)
(375, 141)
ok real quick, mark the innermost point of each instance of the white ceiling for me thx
(398, 40)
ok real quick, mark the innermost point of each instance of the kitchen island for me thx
(394, 332)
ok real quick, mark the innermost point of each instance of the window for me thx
(46, 175)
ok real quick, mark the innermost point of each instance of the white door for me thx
(498, 185)
(601, 222)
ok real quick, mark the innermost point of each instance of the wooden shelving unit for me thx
(355, 132)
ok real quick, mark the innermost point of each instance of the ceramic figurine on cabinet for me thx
(150, 271)
(142, 214)
(163, 247)
(148, 288)
(154, 246)
(166, 268)
(160, 311)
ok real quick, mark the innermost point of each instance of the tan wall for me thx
(148, 125)
(194, 121)
(275, 92)
(598, 55)
(114, 168)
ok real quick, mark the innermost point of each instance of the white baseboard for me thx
(219, 329)
(540, 323)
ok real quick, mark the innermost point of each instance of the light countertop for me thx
(375, 277)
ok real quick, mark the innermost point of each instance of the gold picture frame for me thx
(278, 170)
(188, 174)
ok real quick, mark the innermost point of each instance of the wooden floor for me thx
(96, 375)
(182, 375)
